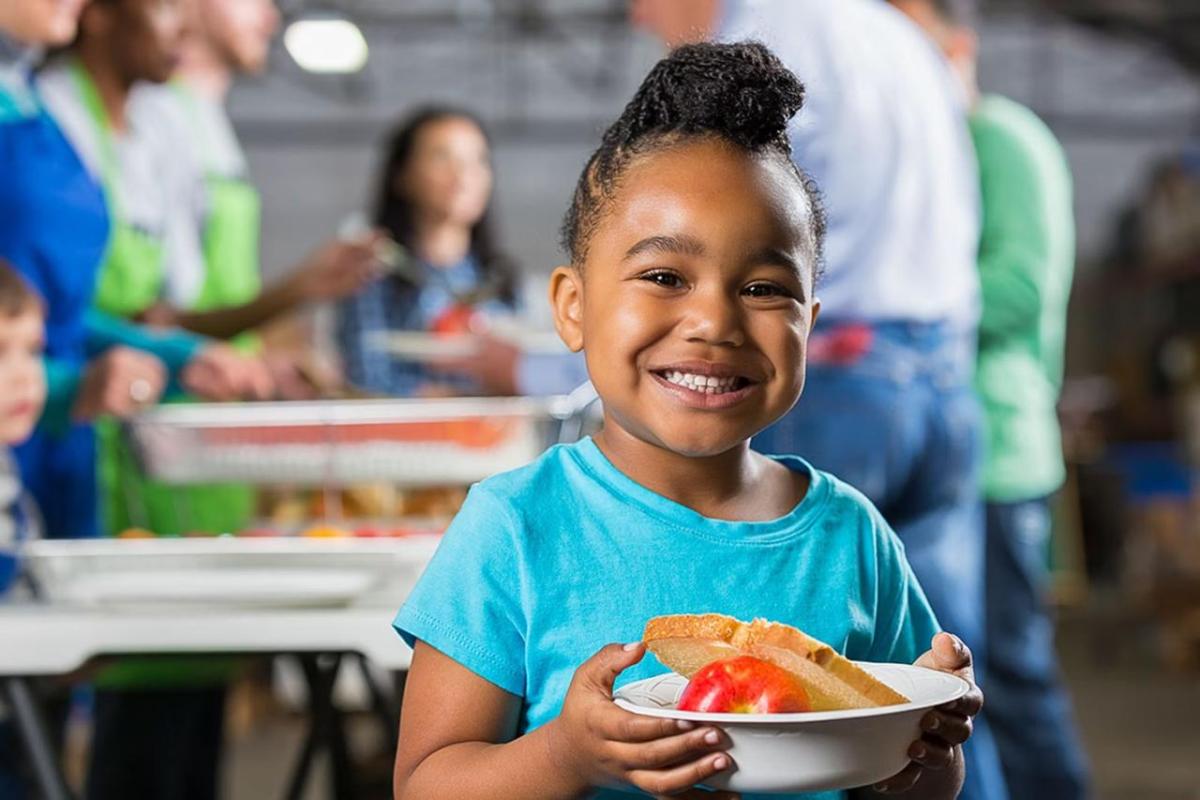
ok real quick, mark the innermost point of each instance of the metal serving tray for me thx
(416, 443)
(225, 572)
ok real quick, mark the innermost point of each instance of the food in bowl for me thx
(744, 685)
(689, 643)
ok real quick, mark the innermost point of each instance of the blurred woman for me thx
(434, 197)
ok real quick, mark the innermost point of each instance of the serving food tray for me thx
(434, 442)
(223, 572)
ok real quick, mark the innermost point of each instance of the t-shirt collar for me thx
(792, 524)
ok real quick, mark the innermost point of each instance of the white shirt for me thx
(155, 191)
(883, 132)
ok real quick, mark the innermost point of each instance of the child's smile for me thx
(695, 300)
(708, 385)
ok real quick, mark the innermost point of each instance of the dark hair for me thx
(16, 295)
(739, 92)
(395, 213)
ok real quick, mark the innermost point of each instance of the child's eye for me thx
(663, 278)
(764, 290)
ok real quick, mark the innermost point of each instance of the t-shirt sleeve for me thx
(904, 622)
(467, 604)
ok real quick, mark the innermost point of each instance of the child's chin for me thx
(697, 447)
(13, 432)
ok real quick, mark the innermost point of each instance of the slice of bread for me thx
(685, 643)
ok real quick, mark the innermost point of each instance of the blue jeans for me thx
(901, 423)
(1030, 712)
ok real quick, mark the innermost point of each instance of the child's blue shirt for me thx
(545, 565)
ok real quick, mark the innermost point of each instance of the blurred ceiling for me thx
(1173, 24)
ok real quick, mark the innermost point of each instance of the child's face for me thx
(21, 374)
(695, 301)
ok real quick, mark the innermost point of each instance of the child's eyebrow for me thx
(681, 244)
(777, 258)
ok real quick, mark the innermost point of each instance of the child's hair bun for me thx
(741, 92)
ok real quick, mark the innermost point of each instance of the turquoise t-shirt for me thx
(545, 565)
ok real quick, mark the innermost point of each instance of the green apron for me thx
(131, 279)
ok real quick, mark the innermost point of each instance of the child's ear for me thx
(566, 300)
(816, 312)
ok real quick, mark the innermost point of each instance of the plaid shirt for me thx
(18, 519)
(390, 304)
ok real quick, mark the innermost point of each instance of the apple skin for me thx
(744, 685)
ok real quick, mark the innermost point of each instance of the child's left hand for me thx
(943, 728)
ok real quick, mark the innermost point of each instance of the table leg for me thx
(31, 727)
(327, 730)
(384, 705)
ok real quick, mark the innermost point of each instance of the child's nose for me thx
(712, 318)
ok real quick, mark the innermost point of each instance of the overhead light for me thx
(328, 44)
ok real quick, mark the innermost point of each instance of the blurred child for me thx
(694, 243)
(22, 339)
(434, 199)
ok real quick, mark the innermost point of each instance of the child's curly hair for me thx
(740, 92)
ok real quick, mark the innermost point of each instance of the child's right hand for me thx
(600, 744)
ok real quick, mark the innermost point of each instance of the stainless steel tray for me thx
(340, 442)
(227, 572)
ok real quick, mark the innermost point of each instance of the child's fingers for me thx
(951, 728)
(931, 754)
(950, 654)
(672, 750)
(623, 726)
(599, 671)
(902, 781)
(968, 705)
(674, 780)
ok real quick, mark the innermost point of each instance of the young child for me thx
(693, 242)
(21, 342)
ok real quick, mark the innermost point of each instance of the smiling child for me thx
(693, 246)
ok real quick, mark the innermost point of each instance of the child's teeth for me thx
(706, 384)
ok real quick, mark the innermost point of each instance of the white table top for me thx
(56, 639)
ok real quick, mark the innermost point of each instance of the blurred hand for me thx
(338, 269)
(493, 366)
(219, 372)
(118, 383)
(159, 315)
(301, 376)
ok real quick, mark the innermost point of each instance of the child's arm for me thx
(457, 738)
(936, 769)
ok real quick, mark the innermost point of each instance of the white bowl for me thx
(815, 751)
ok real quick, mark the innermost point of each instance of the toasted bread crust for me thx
(686, 642)
(694, 626)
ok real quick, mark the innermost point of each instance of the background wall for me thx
(548, 85)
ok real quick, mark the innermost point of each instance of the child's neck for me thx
(737, 485)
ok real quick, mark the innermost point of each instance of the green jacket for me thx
(1026, 261)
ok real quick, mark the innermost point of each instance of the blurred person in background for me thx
(55, 230)
(433, 199)
(888, 403)
(213, 283)
(1026, 261)
(152, 736)
(22, 342)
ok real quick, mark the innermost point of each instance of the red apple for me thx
(457, 318)
(744, 685)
